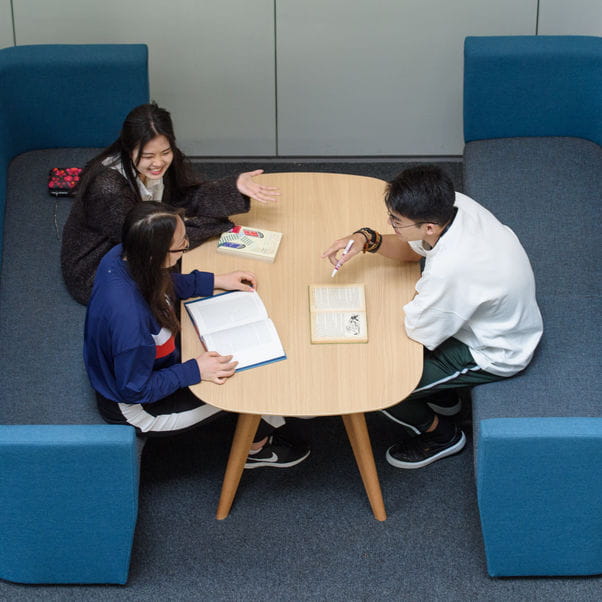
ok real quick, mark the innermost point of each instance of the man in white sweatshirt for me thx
(475, 310)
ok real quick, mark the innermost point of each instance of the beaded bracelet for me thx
(373, 239)
(376, 246)
(368, 234)
(365, 235)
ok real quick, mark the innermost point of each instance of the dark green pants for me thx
(447, 368)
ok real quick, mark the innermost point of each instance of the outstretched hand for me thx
(215, 368)
(259, 192)
(236, 281)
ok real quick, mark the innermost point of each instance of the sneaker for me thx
(449, 405)
(278, 453)
(423, 450)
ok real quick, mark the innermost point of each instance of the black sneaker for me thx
(423, 450)
(278, 453)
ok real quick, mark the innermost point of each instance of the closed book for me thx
(254, 243)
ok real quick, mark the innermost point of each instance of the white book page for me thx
(249, 344)
(227, 311)
(338, 298)
(339, 325)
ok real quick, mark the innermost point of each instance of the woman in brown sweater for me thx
(144, 164)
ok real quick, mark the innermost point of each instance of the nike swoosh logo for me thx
(272, 458)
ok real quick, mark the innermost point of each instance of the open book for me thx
(338, 313)
(254, 243)
(237, 323)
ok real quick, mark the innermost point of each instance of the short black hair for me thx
(424, 193)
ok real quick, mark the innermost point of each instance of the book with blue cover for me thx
(237, 323)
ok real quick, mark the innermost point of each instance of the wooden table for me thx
(316, 380)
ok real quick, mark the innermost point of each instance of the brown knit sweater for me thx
(94, 224)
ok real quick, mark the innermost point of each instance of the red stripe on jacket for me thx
(165, 343)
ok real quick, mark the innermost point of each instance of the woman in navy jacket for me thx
(130, 341)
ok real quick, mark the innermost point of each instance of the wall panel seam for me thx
(276, 139)
(12, 18)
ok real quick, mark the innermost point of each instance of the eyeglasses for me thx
(396, 224)
(183, 249)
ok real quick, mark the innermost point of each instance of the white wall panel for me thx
(380, 77)
(367, 77)
(570, 17)
(6, 24)
(211, 62)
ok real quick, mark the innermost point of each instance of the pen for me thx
(339, 263)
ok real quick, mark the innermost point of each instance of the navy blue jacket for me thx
(128, 356)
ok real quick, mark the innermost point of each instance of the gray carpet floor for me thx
(308, 533)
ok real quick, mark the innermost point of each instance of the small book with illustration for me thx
(338, 313)
(237, 323)
(255, 243)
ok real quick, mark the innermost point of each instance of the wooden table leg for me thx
(246, 427)
(357, 431)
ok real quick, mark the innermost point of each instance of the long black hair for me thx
(141, 125)
(147, 235)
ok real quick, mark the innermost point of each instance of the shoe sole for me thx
(276, 464)
(446, 410)
(454, 449)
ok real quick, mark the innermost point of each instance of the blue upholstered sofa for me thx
(533, 130)
(68, 484)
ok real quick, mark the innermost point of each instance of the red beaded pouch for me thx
(62, 180)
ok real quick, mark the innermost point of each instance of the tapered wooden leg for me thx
(357, 431)
(246, 427)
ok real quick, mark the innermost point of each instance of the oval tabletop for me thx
(313, 210)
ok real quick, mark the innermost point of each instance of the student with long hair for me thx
(144, 164)
(130, 339)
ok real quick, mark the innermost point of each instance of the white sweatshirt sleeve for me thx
(436, 313)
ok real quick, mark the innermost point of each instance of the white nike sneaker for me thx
(278, 453)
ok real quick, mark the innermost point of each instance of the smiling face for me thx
(154, 160)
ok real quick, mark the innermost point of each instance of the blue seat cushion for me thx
(562, 379)
(42, 375)
(549, 191)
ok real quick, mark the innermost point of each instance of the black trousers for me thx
(446, 368)
(179, 412)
